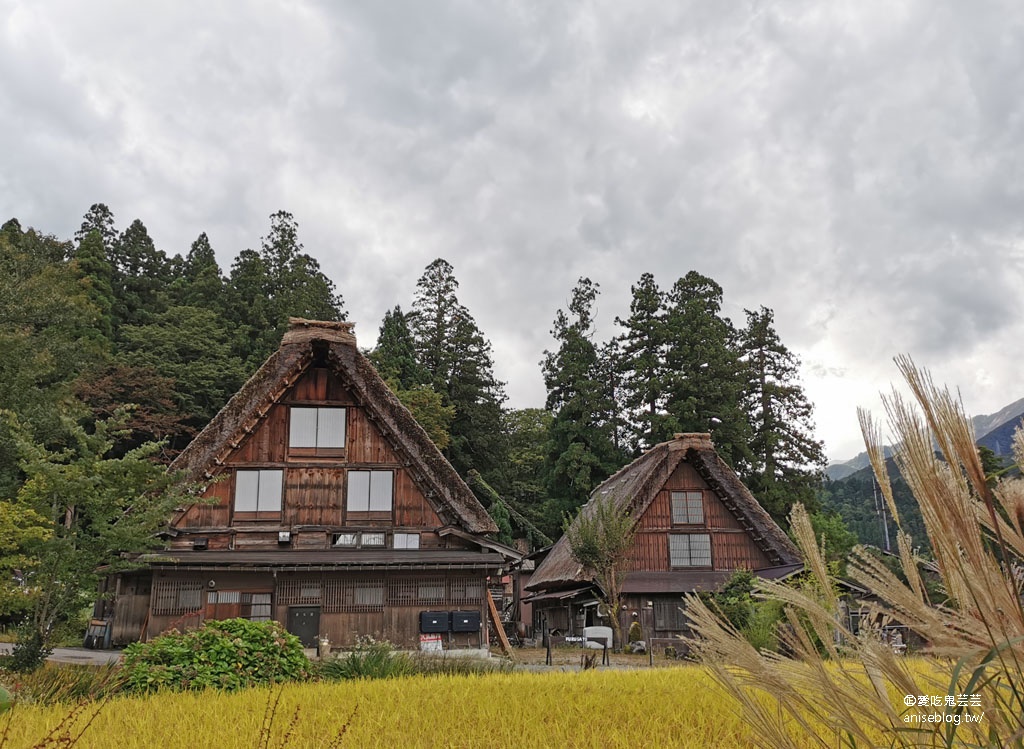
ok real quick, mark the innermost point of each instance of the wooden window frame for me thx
(369, 512)
(316, 451)
(693, 504)
(241, 606)
(406, 537)
(258, 514)
(674, 564)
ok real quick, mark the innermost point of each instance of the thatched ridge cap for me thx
(301, 330)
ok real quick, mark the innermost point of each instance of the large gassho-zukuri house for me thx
(695, 525)
(326, 507)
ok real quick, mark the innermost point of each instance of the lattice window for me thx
(300, 592)
(467, 590)
(177, 597)
(402, 591)
(418, 591)
(688, 507)
(431, 591)
(690, 550)
(353, 596)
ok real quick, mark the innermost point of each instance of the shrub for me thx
(29, 652)
(636, 632)
(228, 655)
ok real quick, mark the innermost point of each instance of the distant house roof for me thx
(332, 344)
(634, 488)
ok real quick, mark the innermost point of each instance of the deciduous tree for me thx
(600, 538)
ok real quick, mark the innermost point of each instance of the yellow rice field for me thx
(679, 707)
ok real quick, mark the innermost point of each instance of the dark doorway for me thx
(304, 623)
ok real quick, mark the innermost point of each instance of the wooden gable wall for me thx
(731, 546)
(314, 486)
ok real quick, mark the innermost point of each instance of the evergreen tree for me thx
(457, 358)
(269, 286)
(201, 283)
(581, 451)
(141, 276)
(100, 219)
(96, 276)
(395, 354)
(788, 462)
(432, 321)
(527, 431)
(704, 381)
(641, 365)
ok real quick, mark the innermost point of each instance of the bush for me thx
(29, 652)
(636, 632)
(228, 655)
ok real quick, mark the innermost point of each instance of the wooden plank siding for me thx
(314, 486)
(731, 547)
(182, 600)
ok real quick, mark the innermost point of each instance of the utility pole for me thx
(880, 508)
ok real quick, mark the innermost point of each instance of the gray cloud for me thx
(857, 167)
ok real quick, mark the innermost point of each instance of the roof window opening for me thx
(316, 429)
(688, 508)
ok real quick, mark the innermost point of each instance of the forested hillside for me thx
(113, 353)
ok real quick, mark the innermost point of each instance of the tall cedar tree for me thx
(395, 360)
(279, 281)
(395, 354)
(457, 357)
(788, 463)
(96, 274)
(704, 381)
(581, 444)
(201, 283)
(99, 219)
(142, 275)
(641, 366)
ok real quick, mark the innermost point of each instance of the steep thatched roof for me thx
(332, 344)
(634, 488)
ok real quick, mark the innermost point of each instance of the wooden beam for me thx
(496, 618)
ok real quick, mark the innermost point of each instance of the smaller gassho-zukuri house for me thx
(326, 508)
(695, 525)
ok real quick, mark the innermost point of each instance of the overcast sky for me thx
(858, 167)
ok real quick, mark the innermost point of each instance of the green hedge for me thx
(229, 655)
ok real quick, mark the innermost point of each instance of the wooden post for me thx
(496, 618)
